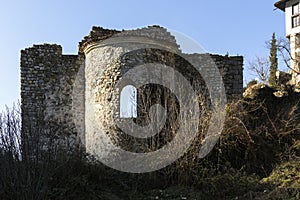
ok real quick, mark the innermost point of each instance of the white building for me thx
(292, 21)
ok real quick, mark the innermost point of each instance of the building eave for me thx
(281, 4)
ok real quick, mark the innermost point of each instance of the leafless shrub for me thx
(260, 67)
(27, 166)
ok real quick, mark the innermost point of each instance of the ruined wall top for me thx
(97, 34)
(155, 33)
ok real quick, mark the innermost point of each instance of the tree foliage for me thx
(273, 62)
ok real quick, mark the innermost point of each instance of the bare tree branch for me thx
(260, 66)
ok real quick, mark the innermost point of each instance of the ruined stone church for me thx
(70, 94)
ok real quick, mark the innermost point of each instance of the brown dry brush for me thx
(32, 169)
(20, 177)
(41, 165)
(256, 136)
(258, 131)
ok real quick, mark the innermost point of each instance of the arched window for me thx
(128, 100)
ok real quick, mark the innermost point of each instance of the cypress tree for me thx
(273, 62)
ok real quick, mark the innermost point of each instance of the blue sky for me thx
(236, 27)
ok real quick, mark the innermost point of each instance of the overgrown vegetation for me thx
(257, 157)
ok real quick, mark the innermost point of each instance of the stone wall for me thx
(70, 94)
(47, 82)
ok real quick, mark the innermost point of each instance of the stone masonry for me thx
(69, 94)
